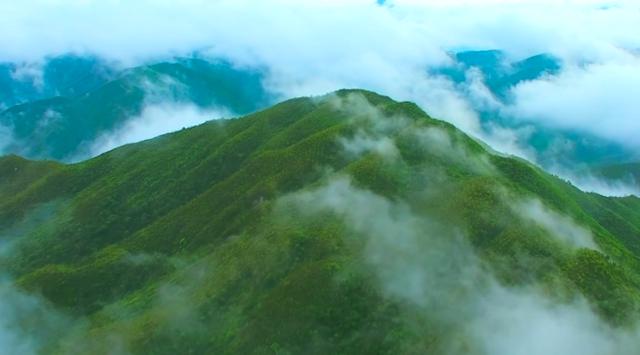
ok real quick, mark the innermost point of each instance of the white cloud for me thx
(30, 72)
(330, 27)
(511, 321)
(6, 138)
(559, 226)
(586, 181)
(363, 143)
(301, 37)
(28, 322)
(600, 99)
(153, 121)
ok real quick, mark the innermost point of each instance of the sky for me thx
(313, 47)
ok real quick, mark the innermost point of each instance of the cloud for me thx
(28, 323)
(526, 322)
(363, 143)
(6, 138)
(599, 99)
(396, 239)
(155, 119)
(316, 46)
(559, 226)
(377, 130)
(588, 182)
(439, 142)
(29, 72)
(313, 31)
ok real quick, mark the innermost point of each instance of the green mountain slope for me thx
(348, 223)
(63, 127)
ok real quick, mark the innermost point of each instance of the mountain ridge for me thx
(259, 225)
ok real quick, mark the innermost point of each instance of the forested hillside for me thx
(347, 223)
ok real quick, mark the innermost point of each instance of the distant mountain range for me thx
(78, 99)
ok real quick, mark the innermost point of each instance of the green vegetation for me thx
(214, 239)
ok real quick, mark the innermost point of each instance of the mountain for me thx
(64, 125)
(346, 223)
